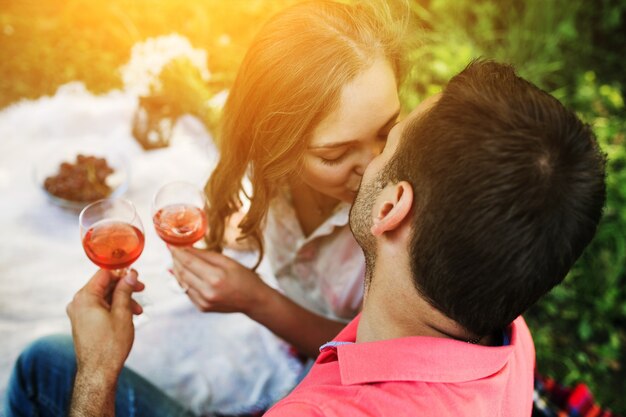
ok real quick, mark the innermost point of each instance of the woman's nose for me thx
(369, 153)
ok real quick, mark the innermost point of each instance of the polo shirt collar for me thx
(418, 358)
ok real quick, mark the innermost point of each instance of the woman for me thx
(312, 104)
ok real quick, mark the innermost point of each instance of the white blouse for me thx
(323, 272)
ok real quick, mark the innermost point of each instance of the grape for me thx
(84, 180)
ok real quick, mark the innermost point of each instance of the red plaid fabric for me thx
(555, 400)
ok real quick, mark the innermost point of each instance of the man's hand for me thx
(102, 326)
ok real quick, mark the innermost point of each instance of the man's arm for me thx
(103, 332)
(92, 396)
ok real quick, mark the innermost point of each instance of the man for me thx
(480, 203)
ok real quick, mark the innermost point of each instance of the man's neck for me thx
(382, 320)
(393, 309)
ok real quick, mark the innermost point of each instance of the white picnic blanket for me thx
(42, 263)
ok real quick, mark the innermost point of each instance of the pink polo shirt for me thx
(417, 376)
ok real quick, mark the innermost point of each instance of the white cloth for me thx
(213, 362)
(42, 262)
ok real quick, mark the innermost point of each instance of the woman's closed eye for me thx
(335, 159)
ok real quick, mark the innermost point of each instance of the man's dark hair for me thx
(509, 188)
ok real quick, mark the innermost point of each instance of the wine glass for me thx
(178, 217)
(112, 234)
(178, 213)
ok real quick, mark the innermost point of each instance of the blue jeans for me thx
(43, 377)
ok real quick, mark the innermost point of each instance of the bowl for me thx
(87, 175)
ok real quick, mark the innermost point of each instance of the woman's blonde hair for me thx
(290, 79)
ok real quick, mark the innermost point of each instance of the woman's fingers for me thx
(188, 280)
(196, 266)
(215, 258)
(178, 271)
(175, 271)
(198, 300)
(214, 281)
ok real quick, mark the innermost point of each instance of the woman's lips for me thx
(354, 186)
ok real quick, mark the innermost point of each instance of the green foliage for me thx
(182, 85)
(603, 23)
(47, 43)
(580, 327)
(534, 36)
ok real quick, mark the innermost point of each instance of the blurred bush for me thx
(580, 327)
(575, 50)
(535, 36)
(47, 43)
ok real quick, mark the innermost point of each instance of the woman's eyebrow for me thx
(350, 142)
(333, 145)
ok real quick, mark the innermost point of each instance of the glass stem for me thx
(120, 273)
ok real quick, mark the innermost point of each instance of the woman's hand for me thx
(215, 282)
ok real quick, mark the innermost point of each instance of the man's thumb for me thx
(123, 292)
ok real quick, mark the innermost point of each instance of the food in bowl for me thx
(84, 180)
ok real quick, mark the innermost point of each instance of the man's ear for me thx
(394, 204)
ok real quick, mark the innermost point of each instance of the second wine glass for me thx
(178, 213)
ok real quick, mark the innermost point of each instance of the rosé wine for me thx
(113, 244)
(180, 224)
